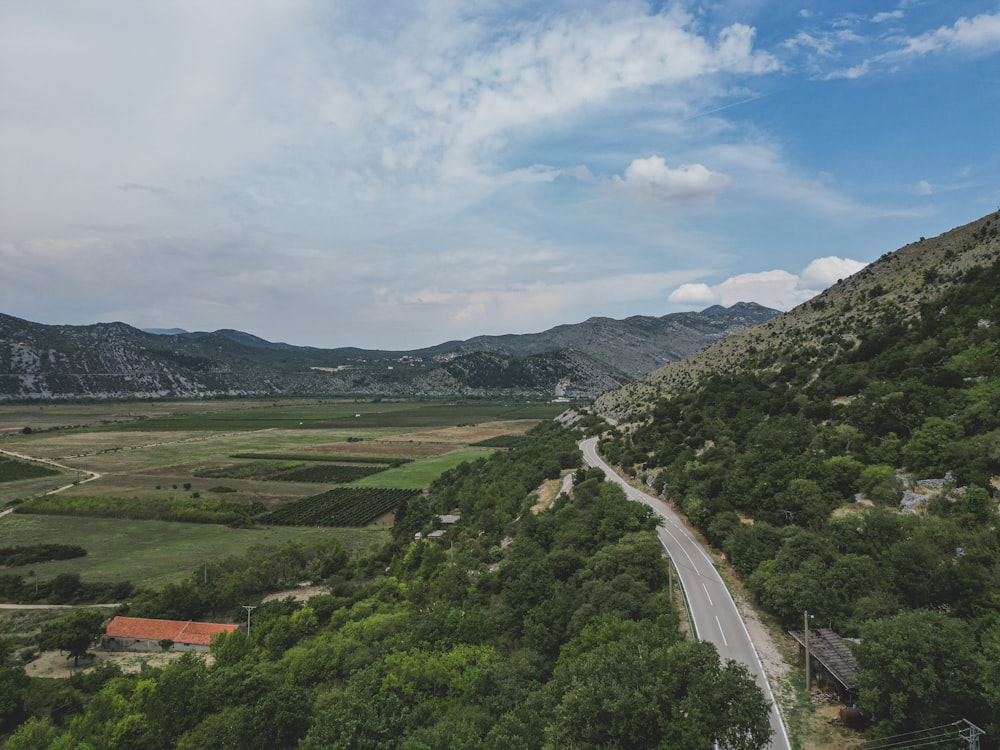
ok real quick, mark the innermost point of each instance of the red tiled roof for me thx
(177, 631)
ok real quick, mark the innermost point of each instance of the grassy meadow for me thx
(151, 553)
(150, 453)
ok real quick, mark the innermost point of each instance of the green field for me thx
(151, 553)
(345, 415)
(13, 470)
(25, 488)
(418, 474)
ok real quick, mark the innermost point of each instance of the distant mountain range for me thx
(115, 360)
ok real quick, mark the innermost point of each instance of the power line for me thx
(908, 738)
(943, 735)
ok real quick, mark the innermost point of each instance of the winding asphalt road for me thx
(713, 612)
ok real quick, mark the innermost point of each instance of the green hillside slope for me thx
(846, 457)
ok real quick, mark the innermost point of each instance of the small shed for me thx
(832, 660)
(142, 634)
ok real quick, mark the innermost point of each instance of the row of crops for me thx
(342, 506)
(502, 441)
(388, 460)
(291, 471)
(145, 509)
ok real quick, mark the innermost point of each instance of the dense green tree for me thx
(915, 670)
(926, 452)
(480, 645)
(66, 587)
(880, 484)
(989, 677)
(176, 702)
(73, 634)
(630, 684)
(751, 544)
(13, 682)
(34, 734)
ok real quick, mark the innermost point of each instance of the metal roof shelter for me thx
(833, 653)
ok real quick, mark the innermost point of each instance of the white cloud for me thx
(978, 33)
(893, 15)
(446, 90)
(688, 183)
(777, 288)
(824, 44)
(925, 187)
(824, 272)
(694, 295)
(253, 108)
(855, 71)
(406, 172)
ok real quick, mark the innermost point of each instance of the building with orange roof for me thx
(141, 634)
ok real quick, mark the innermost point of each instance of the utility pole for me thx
(970, 733)
(249, 608)
(805, 619)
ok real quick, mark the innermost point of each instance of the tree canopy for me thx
(524, 629)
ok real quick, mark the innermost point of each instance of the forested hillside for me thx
(517, 630)
(851, 471)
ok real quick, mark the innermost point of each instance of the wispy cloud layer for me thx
(397, 174)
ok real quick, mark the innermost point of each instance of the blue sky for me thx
(399, 174)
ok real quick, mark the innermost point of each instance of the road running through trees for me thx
(714, 615)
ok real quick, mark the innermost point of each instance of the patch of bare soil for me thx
(547, 492)
(823, 730)
(299, 593)
(54, 664)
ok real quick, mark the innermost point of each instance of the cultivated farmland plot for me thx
(156, 461)
(13, 470)
(342, 506)
(291, 471)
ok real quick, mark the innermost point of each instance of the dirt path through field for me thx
(91, 475)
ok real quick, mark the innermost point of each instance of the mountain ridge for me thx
(892, 287)
(116, 360)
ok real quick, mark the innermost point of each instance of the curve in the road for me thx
(714, 614)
